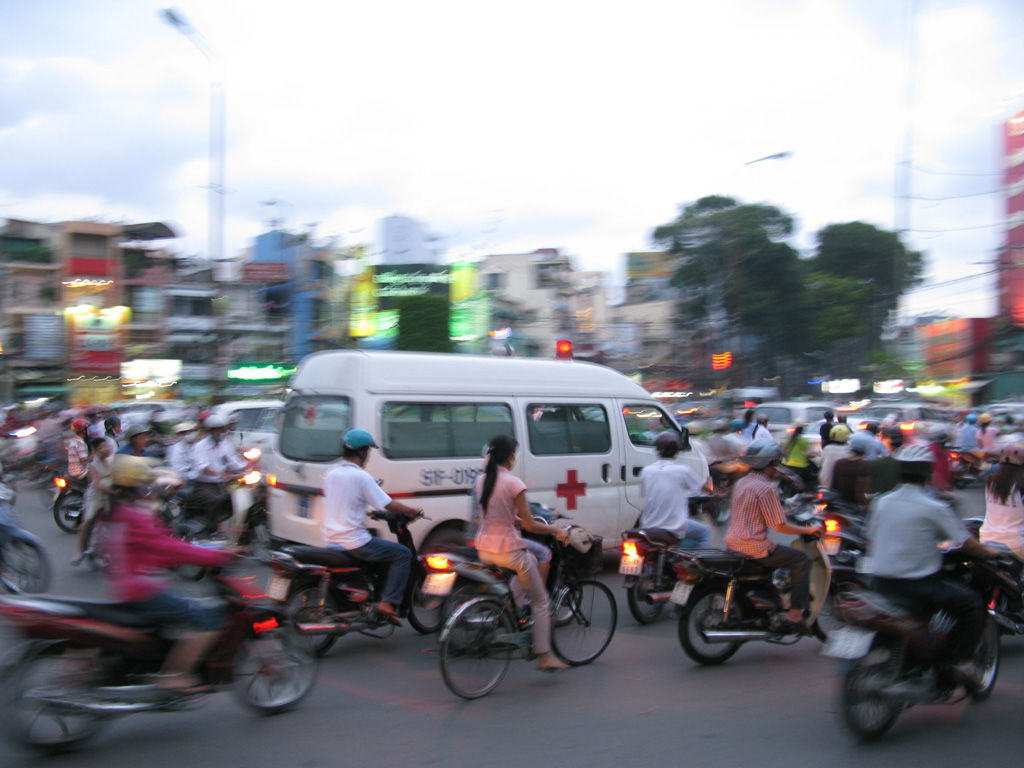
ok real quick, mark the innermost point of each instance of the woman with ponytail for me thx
(502, 504)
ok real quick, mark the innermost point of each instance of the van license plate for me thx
(439, 584)
(303, 506)
(831, 544)
(681, 592)
(277, 588)
(848, 643)
(631, 565)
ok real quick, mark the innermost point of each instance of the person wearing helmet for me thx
(666, 487)
(141, 550)
(179, 454)
(137, 442)
(349, 493)
(970, 434)
(755, 510)
(1004, 501)
(876, 449)
(831, 453)
(942, 472)
(988, 437)
(904, 531)
(76, 450)
(798, 452)
(851, 474)
(216, 461)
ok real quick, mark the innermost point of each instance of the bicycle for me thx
(483, 635)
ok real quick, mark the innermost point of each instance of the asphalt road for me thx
(382, 702)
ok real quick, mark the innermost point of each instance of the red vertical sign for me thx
(1011, 259)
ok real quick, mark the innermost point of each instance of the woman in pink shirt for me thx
(141, 549)
(502, 498)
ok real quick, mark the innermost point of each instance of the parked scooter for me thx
(895, 657)
(330, 593)
(84, 663)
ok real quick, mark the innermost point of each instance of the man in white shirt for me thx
(349, 493)
(215, 461)
(666, 487)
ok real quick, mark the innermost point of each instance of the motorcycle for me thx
(84, 663)
(329, 593)
(647, 564)
(68, 502)
(894, 656)
(1007, 605)
(726, 600)
(966, 467)
(24, 566)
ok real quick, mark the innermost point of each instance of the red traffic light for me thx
(563, 349)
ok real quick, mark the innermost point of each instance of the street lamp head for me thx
(175, 19)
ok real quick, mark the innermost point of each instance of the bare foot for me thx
(548, 662)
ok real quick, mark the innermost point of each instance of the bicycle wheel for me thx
(583, 621)
(474, 658)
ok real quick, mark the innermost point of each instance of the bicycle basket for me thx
(583, 564)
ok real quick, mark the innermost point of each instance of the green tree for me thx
(423, 323)
(737, 271)
(874, 258)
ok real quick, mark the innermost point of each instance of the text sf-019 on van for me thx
(584, 431)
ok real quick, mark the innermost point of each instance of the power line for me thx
(938, 172)
(940, 198)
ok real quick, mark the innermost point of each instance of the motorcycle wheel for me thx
(304, 608)
(472, 661)
(67, 512)
(36, 724)
(426, 612)
(865, 710)
(644, 610)
(987, 660)
(583, 622)
(704, 611)
(273, 673)
(24, 566)
(258, 541)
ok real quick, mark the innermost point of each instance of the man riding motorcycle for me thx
(904, 531)
(755, 509)
(666, 488)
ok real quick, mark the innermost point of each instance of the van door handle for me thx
(622, 473)
(637, 471)
(605, 470)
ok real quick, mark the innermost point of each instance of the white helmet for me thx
(215, 422)
(761, 453)
(915, 453)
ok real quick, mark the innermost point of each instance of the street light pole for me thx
(217, 127)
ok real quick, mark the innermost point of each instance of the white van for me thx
(255, 421)
(584, 432)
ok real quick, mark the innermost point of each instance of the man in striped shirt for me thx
(755, 509)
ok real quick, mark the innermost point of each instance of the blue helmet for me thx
(737, 424)
(971, 418)
(355, 439)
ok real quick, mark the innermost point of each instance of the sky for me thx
(506, 127)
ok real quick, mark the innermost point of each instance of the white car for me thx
(783, 415)
(914, 418)
(255, 421)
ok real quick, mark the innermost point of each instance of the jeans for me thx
(528, 578)
(933, 593)
(381, 551)
(697, 535)
(799, 572)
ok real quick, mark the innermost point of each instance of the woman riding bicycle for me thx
(502, 498)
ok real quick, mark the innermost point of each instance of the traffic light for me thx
(563, 349)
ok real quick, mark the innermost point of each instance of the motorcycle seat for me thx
(726, 560)
(654, 536)
(113, 613)
(329, 558)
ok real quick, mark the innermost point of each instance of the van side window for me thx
(442, 430)
(312, 426)
(268, 420)
(645, 422)
(564, 429)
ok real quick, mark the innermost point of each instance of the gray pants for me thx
(799, 571)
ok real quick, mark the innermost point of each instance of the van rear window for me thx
(566, 429)
(312, 426)
(442, 430)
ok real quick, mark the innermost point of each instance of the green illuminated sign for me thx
(267, 372)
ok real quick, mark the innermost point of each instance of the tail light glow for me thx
(252, 454)
(954, 455)
(908, 426)
(264, 626)
(272, 480)
(832, 525)
(438, 562)
(252, 478)
(629, 549)
(60, 482)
